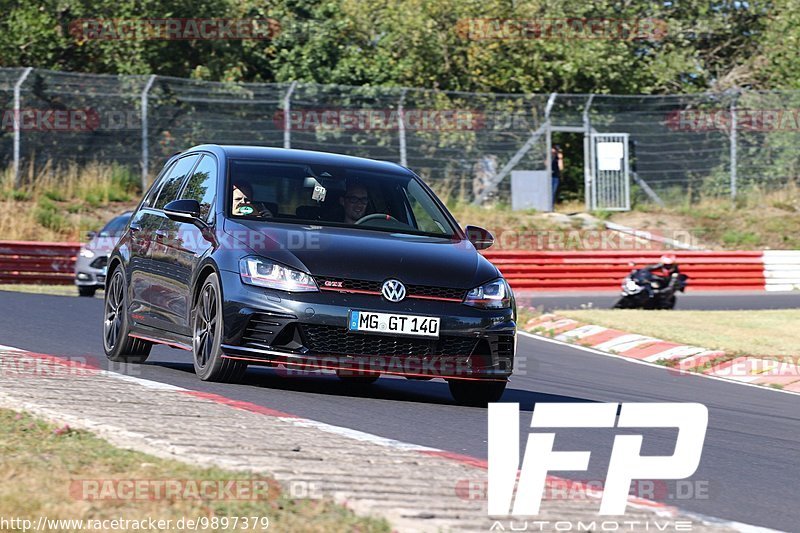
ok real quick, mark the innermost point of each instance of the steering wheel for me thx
(375, 216)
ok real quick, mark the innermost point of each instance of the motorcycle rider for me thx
(663, 272)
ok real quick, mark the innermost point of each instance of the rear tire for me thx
(86, 291)
(207, 328)
(118, 345)
(476, 393)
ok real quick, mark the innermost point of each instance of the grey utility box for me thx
(531, 189)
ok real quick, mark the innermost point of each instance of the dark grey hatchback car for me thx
(308, 262)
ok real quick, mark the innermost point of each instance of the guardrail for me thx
(54, 263)
(604, 270)
(38, 262)
(782, 270)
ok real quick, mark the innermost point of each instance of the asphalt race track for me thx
(705, 301)
(750, 463)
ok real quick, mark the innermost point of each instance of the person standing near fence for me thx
(557, 167)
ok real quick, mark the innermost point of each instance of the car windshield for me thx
(116, 227)
(334, 196)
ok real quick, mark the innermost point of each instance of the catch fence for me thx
(678, 148)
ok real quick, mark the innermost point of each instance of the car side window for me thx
(202, 185)
(172, 183)
(152, 192)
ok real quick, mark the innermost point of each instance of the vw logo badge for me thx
(393, 290)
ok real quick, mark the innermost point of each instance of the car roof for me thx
(286, 155)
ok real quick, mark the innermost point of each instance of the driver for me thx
(354, 202)
(242, 205)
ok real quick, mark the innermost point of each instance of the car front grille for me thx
(336, 340)
(412, 291)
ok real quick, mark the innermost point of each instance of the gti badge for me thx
(393, 290)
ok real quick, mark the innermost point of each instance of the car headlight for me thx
(88, 254)
(493, 295)
(265, 273)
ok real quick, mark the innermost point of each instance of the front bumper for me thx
(309, 330)
(90, 272)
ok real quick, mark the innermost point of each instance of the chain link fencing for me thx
(681, 147)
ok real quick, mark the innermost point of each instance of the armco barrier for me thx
(604, 270)
(53, 263)
(37, 262)
(782, 270)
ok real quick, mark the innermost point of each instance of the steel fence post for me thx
(401, 129)
(287, 109)
(17, 124)
(587, 162)
(733, 145)
(145, 147)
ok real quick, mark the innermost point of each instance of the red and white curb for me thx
(52, 366)
(778, 375)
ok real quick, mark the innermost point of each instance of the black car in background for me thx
(308, 261)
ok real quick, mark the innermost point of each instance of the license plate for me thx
(420, 326)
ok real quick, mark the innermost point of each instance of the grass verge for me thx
(54, 290)
(760, 333)
(42, 461)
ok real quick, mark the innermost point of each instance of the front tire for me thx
(476, 393)
(207, 327)
(118, 345)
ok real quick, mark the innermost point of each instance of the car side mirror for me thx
(479, 237)
(91, 235)
(183, 211)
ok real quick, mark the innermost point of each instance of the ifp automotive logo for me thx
(626, 461)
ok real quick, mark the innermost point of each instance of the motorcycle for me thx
(641, 289)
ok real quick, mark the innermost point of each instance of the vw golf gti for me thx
(308, 261)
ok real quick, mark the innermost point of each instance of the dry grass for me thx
(40, 462)
(57, 204)
(62, 204)
(762, 333)
(758, 219)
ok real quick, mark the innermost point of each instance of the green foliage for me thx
(426, 43)
(48, 215)
(17, 195)
(734, 238)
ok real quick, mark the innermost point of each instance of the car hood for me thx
(365, 254)
(102, 245)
